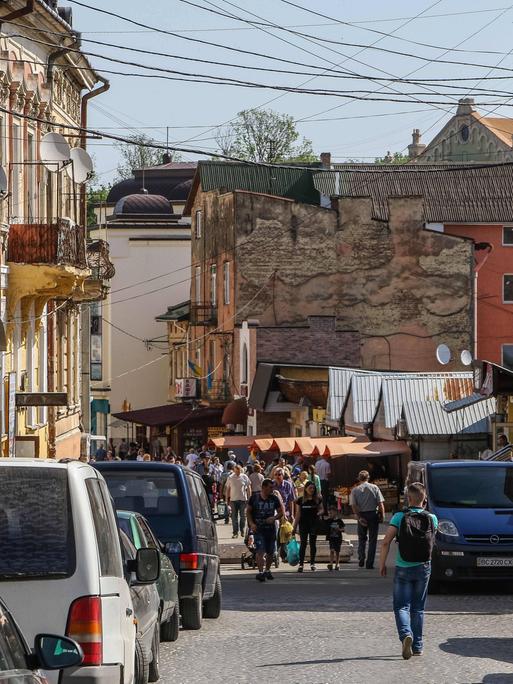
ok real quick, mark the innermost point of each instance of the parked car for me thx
(137, 529)
(61, 568)
(174, 501)
(473, 501)
(146, 603)
(20, 665)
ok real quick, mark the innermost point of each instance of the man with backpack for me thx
(414, 529)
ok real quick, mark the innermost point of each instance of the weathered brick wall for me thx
(308, 346)
(403, 288)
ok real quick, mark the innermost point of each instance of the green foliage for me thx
(135, 155)
(262, 135)
(395, 158)
(94, 196)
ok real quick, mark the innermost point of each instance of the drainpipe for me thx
(83, 125)
(16, 14)
(53, 56)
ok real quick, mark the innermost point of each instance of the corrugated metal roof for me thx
(293, 183)
(480, 195)
(422, 387)
(429, 418)
(365, 393)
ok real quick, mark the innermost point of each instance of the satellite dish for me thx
(3, 181)
(81, 166)
(443, 354)
(466, 357)
(54, 151)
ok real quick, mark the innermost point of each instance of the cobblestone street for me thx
(325, 628)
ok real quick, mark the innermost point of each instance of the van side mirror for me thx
(146, 566)
(173, 547)
(57, 652)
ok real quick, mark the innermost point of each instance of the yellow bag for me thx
(286, 530)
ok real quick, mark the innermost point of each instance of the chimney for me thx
(326, 160)
(416, 148)
(465, 106)
(166, 158)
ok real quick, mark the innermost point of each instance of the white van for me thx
(61, 568)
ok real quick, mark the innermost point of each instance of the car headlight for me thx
(448, 528)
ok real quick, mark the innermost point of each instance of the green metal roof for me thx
(293, 183)
(178, 312)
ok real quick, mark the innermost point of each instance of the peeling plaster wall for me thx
(403, 288)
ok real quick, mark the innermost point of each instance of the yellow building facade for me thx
(43, 263)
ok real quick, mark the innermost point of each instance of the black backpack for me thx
(416, 536)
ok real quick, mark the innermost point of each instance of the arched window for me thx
(244, 364)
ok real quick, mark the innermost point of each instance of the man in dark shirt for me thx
(263, 510)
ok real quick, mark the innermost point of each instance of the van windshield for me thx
(153, 494)
(488, 487)
(36, 526)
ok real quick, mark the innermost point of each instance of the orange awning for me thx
(235, 441)
(303, 445)
(332, 445)
(370, 449)
(283, 444)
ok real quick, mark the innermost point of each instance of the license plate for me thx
(494, 562)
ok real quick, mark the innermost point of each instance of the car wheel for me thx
(191, 610)
(154, 674)
(142, 665)
(212, 607)
(170, 630)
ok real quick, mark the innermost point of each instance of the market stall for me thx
(386, 462)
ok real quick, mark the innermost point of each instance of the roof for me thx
(429, 418)
(173, 181)
(371, 449)
(282, 181)
(501, 127)
(143, 203)
(421, 397)
(178, 312)
(169, 414)
(451, 194)
(235, 441)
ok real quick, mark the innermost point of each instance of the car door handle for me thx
(129, 612)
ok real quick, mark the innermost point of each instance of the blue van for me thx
(473, 501)
(174, 501)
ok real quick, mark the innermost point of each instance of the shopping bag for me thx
(221, 509)
(293, 552)
(286, 530)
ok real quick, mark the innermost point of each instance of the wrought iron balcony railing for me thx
(203, 314)
(60, 244)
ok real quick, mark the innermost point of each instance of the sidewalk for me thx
(231, 550)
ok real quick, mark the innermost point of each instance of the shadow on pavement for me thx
(500, 678)
(493, 648)
(331, 661)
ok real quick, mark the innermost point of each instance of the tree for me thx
(395, 158)
(94, 196)
(136, 155)
(262, 135)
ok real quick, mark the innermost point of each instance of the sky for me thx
(188, 114)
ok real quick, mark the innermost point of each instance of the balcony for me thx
(219, 391)
(55, 244)
(102, 270)
(203, 314)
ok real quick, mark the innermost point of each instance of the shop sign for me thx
(318, 415)
(186, 388)
(214, 432)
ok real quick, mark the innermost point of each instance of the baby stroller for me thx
(248, 558)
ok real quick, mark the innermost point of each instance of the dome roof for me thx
(181, 191)
(143, 203)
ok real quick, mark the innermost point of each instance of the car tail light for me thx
(85, 627)
(189, 561)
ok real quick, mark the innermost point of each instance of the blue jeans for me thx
(238, 513)
(410, 593)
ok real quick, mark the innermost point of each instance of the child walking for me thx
(336, 527)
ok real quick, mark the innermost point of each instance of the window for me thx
(464, 133)
(507, 290)
(106, 530)
(244, 364)
(155, 495)
(226, 282)
(32, 198)
(472, 487)
(12, 650)
(507, 356)
(213, 284)
(36, 532)
(199, 224)
(197, 283)
(507, 236)
(150, 540)
(17, 168)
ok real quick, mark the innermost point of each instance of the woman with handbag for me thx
(307, 510)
